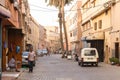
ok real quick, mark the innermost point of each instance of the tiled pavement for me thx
(54, 68)
(8, 78)
(11, 75)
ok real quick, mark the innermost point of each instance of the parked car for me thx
(25, 58)
(45, 51)
(88, 56)
(39, 52)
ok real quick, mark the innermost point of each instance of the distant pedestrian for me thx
(31, 59)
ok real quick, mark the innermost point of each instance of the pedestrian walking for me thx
(31, 59)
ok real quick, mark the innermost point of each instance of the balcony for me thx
(93, 11)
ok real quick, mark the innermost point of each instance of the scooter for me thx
(69, 56)
(76, 57)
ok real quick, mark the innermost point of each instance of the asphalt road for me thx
(55, 68)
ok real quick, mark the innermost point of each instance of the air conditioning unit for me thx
(16, 5)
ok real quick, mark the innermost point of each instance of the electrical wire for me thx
(51, 10)
(42, 9)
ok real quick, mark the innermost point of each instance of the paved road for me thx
(55, 68)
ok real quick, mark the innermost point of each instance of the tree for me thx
(60, 5)
(60, 24)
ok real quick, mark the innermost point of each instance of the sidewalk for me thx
(11, 75)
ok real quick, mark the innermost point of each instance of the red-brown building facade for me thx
(12, 36)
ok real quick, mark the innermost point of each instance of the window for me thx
(75, 32)
(86, 25)
(100, 24)
(95, 26)
(90, 53)
(83, 28)
(89, 24)
(56, 29)
(94, 3)
(106, 12)
(71, 34)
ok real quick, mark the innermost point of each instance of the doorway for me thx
(99, 45)
(117, 50)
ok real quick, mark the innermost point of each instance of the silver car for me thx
(25, 58)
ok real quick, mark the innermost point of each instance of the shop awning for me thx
(4, 12)
(16, 30)
(93, 36)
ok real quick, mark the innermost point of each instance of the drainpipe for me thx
(0, 48)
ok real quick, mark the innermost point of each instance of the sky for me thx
(43, 14)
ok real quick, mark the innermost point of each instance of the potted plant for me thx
(114, 61)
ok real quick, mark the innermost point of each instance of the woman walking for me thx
(31, 59)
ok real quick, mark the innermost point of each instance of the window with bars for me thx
(100, 24)
(95, 26)
(75, 32)
(94, 3)
(71, 34)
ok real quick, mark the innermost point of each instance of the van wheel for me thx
(96, 64)
(92, 64)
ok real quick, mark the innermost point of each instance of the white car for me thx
(45, 51)
(88, 56)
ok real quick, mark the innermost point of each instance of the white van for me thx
(88, 56)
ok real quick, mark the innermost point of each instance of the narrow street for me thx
(55, 68)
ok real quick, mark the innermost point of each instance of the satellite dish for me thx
(106, 5)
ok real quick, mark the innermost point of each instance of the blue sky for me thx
(45, 15)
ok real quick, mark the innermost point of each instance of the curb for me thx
(19, 74)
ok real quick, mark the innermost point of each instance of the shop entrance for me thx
(99, 45)
(117, 50)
